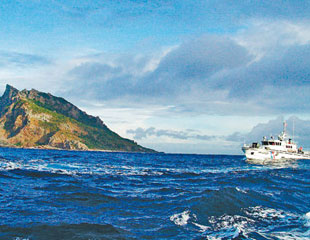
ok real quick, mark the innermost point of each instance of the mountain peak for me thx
(10, 91)
(8, 97)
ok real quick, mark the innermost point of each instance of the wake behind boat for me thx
(283, 148)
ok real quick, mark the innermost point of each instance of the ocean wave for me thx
(260, 221)
(270, 215)
(81, 168)
(228, 222)
(6, 165)
(210, 197)
(291, 236)
(99, 169)
(76, 169)
(231, 233)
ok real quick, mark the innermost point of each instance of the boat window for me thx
(271, 143)
(255, 145)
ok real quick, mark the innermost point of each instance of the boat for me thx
(282, 148)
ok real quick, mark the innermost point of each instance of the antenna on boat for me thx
(284, 127)
(293, 129)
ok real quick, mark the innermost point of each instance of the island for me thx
(34, 119)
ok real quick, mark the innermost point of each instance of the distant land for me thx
(33, 119)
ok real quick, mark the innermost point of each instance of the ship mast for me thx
(293, 129)
(284, 127)
(284, 130)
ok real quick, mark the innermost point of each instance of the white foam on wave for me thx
(268, 213)
(186, 217)
(202, 228)
(8, 165)
(125, 170)
(76, 169)
(227, 226)
(307, 218)
(240, 190)
(228, 222)
(98, 169)
(52, 168)
(181, 219)
(38, 165)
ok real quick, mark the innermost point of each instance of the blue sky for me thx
(177, 76)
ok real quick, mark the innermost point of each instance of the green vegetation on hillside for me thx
(94, 137)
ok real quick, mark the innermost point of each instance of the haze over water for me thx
(49, 194)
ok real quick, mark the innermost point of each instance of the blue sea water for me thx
(49, 194)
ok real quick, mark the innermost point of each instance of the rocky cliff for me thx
(30, 118)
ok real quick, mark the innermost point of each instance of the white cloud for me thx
(263, 37)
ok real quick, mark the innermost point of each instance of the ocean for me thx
(50, 194)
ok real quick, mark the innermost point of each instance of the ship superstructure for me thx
(275, 149)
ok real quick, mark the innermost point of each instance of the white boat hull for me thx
(268, 154)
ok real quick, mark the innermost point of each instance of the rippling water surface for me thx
(94, 195)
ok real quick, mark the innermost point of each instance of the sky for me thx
(176, 76)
